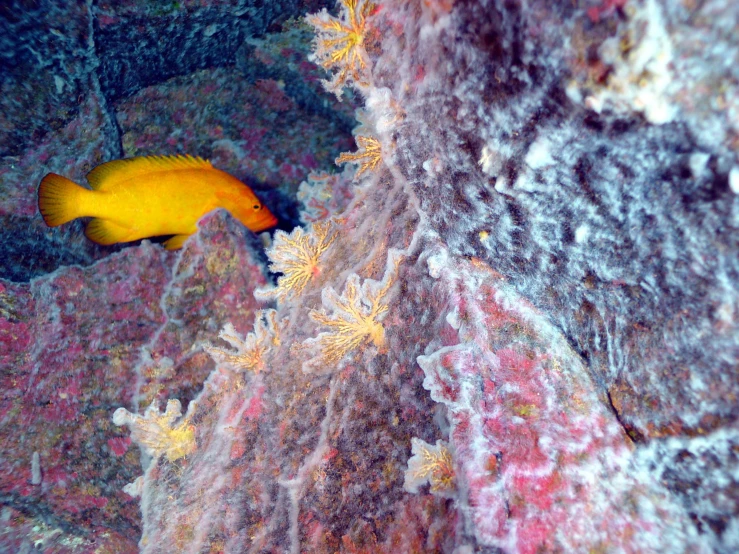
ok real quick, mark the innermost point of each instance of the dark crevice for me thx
(112, 130)
(633, 433)
(31, 508)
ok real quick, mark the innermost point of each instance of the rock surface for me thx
(515, 331)
(80, 342)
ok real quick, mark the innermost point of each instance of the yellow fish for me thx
(145, 197)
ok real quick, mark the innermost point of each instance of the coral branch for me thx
(430, 464)
(356, 318)
(368, 155)
(297, 257)
(251, 351)
(156, 432)
(340, 44)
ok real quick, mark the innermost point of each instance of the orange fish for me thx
(146, 197)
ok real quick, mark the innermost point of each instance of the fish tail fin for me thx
(59, 199)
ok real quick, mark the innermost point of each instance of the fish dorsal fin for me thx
(107, 175)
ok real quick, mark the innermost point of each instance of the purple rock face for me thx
(512, 328)
(600, 220)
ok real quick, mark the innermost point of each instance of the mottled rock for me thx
(516, 332)
(45, 60)
(81, 342)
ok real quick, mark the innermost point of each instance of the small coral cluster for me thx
(341, 44)
(157, 433)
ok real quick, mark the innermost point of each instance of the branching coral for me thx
(430, 464)
(156, 432)
(340, 44)
(251, 351)
(297, 256)
(368, 156)
(356, 318)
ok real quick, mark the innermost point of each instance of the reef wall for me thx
(509, 325)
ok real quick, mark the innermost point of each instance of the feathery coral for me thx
(368, 156)
(156, 433)
(356, 318)
(250, 351)
(432, 464)
(340, 43)
(297, 257)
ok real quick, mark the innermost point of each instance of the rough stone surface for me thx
(80, 342)
(516, 331)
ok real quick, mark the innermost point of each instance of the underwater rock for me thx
(599, 220)
(560, 268)
(28, 248)
(514, 332)
(44, 69)
(53, 54)
(142, 44)
(82, 341)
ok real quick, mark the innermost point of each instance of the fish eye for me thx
(257, 207)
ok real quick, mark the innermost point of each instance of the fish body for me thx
(145, 197)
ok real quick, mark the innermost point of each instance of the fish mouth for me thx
(263, 223)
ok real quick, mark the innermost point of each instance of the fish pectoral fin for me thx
(106, 232)
(175, 242)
